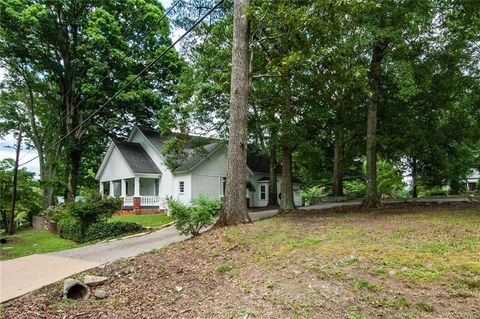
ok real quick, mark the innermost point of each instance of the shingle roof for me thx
(256, 162)
(199, 147)
(137, 158)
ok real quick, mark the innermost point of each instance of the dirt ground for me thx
(393, 262)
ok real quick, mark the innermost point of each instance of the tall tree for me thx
(87, 50)
(234, 209)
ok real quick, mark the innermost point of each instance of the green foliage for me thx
(106, 44)
(29, 199)
(425, 306)
(224, 268)
(190, 219)
(59, 212)
(103, 230)
(94, 208)
(389, 179)
(87, 220)
(355, 187)
(309, 194)
(70, 229)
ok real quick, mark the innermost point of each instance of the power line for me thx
(64, 113)
(133, 79)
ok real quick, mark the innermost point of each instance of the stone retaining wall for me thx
(43, 223)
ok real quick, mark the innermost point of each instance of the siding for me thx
(206, 177)
(116, 167)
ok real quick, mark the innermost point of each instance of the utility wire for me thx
(133, 79)
(63, 115)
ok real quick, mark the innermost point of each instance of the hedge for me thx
(70, 229)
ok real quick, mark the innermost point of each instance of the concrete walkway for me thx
(22, 275)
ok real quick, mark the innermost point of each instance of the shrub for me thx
(309, 194)
(355, 188)
(190, 219)
(58, 212)
(104, 230)
(70, 229)
(93, 209)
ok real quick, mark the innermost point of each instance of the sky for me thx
(8, 143)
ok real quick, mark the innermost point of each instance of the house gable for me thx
(114, 166)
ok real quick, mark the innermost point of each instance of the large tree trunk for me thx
(234, 209)
(337, 184)
(272, 189)
(73, 167)
(378, 52)
(288, 204)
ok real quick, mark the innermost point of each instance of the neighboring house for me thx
(472, 180)
(136, 171)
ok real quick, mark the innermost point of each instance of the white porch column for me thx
(112, 189)
(100, 188)
(137, 187)
(123, 189)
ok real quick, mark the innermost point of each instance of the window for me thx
(181, 187)
(263, 192)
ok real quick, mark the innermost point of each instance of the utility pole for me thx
(11, 219)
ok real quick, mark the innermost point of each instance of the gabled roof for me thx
(200, 148)
(137, 158)
(197, 147)
(197, 157)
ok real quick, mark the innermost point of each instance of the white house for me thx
(136, 171)
(472, 180)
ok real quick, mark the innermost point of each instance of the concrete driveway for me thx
(22, 275)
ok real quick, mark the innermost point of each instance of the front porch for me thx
(140, 195)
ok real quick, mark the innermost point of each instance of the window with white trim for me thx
(263, 192)
(181, 187)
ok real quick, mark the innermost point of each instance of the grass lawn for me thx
(31, 241)
(151, 220)
(400, 262)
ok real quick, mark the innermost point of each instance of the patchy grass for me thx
(401, 262)
(31, 241)
(151, 220)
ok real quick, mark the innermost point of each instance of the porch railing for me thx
(144, 201)
(150, 200)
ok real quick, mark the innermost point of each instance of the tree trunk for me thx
(11, 217)
(272, 189)
(73, 167)
(234, 209)
(288, 204)
(338, 162)
(414, 178)
(378, 52)
(286, 117)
